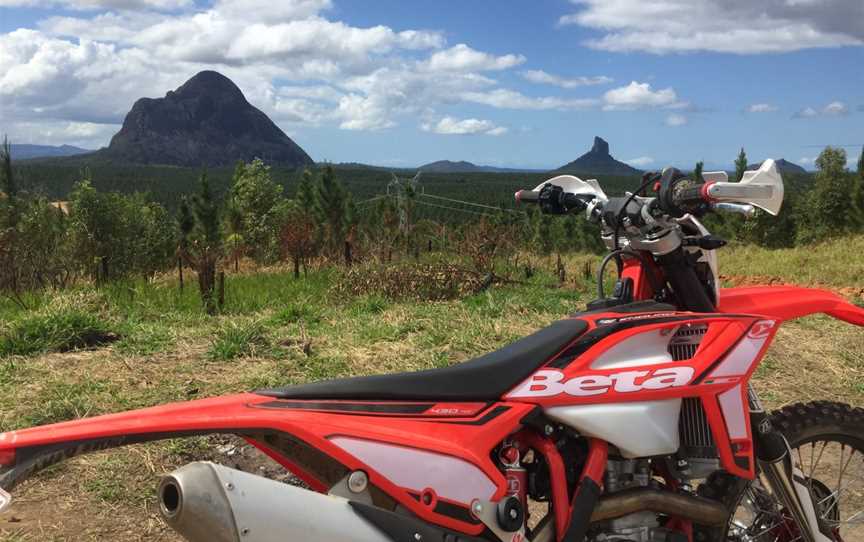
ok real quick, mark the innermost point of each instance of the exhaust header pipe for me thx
(206, 502)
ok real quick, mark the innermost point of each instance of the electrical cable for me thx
(452, 208)
(630, 198)
(616, 252)
(470, 203)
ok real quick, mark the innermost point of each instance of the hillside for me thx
(784, 166)
(598, 161)
(449, 166)
(205, 122)
(25, 151)
(168, 352)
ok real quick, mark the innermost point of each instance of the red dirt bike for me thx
(633, 421)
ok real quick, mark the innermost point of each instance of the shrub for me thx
(242, 340)
(55, 331)
(298, 312)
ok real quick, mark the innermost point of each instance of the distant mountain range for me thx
(207, 122)
(784, 166)
(24, 151)
(598, 161)
(448, 166)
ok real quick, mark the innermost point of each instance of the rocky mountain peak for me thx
(600, 146)
(598, 161)
(205, 122)
(208, 83)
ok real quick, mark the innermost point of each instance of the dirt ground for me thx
(111, 495)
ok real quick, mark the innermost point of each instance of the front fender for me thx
(788, 303)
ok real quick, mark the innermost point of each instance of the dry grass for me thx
(311, 333)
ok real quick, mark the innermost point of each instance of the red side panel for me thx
(448, 444)
(788, 302)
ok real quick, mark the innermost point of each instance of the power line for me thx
(453, 208)
(499, 209)
(370, 200)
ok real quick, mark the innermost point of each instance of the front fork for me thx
(786, 480)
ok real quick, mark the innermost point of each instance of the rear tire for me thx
(804, 425)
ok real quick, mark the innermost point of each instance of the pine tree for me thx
(331, 210)
(234, 225)
(856, 196)
(201, 240)
(827, 210)
(861, 164)
(255, 200)
(697, 172)
(305, 195)
(298, 234)
(7, 179)
(740, 165)
(9, 219)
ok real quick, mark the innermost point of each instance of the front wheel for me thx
(827, 441)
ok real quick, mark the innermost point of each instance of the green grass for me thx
(277, 331)
(67, 401)
(239, 340)
(54, 331)
(839, 262)
(145, 338)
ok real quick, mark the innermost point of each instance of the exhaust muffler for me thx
(206, 502)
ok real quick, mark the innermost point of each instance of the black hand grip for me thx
(527, 196)
(574, 202)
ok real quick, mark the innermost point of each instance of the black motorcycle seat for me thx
(485, 378)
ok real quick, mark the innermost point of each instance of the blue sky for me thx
(510, 83)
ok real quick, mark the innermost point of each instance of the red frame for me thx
(466, 431)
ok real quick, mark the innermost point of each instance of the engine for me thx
(628, 474)
(696, 459)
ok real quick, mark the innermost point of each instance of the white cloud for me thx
(639, 96)
(401, 90)
(91, 68)
(106, 27)
(268, 10)
(806, 113)
(510, 99)
(807, 161)
(729, 26)
(545, 78)
(675, 119)
(364, 112)
(82, 5)
(761, 108)
(463, 58)
(833, 109)
(87, 135)
(642, 161)
(454, 126)
(310, 39)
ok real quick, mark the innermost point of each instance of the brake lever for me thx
(741, 208)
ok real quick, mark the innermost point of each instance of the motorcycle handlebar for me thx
(527, 196)
(691, 195)
(554, 200)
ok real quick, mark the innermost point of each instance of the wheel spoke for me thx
(830, 456)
